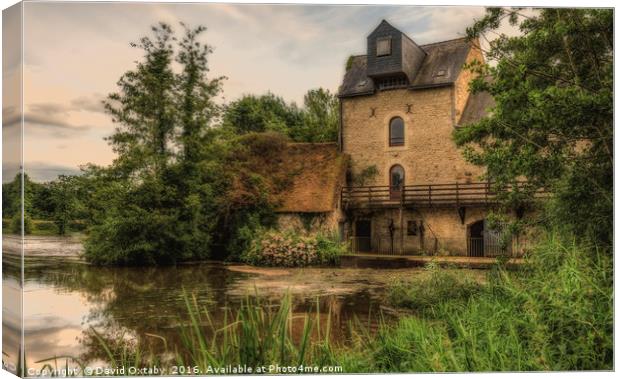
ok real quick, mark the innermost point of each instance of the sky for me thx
(74, 53)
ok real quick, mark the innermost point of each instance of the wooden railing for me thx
(431, 195)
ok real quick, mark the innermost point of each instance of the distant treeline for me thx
(50, 208)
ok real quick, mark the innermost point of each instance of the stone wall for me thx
(428, 156)
(443, 232)
(461, 86)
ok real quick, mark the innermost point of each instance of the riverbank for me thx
(71, 247)
(364, 260)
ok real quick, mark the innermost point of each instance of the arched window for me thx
(397, 132)
(397, 181)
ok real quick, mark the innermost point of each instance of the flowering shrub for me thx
(275, 248)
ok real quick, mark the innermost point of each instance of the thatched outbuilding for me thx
(311, 201)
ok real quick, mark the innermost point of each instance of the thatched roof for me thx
(440, 67)
(318, 172)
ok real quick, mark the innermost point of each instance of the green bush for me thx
(274, 248)
(434, 287)
(44, 227)
(77, 226)
(330, 248)
(16, 224)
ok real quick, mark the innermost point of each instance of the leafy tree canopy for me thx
(268, 112)
(553, 119)
(317, 121)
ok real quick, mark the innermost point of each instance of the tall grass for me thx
(554, 314)
(432, 288)
(258, 334)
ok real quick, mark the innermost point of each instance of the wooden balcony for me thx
(422, 196)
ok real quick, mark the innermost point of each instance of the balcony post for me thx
(457, 194)
(486, 192)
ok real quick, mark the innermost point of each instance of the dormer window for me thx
(384, 46)
(392, 82)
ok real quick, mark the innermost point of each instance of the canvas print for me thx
(220, 188)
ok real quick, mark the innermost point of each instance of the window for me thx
(393, 82)
(397, 132)
(397, 181)
(384, 46)
(412, 228)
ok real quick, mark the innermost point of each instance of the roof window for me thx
(384, 46)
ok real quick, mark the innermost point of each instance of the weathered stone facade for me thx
(431, 106)
(428, 155)
(434, 232)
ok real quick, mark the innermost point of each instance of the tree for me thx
(317, 121)
(34, 194)
(154, 203)
(553, 119)
(64, 201)
(321, 117)
(197, 108)
(262, 113)
(144, 108)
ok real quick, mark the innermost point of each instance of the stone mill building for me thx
(408, 188)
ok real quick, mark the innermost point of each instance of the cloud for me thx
(44, 120)
(10, 116)
(55, 117)
(91, 103)
(49, 109)
(45, 172)
(50, 118)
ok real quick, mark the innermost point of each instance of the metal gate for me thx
(494, 243)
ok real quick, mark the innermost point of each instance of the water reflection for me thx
(64, 297)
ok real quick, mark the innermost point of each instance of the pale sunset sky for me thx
(74, 53)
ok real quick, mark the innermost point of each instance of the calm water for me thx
(64, 298)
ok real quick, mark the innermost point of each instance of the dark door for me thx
(397, 180)
(475, 239)
(362, 235)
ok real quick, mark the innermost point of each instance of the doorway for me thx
(475, 239)
(362, 236)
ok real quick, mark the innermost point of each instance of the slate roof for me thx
(478, 105)
(448, 56)
(318, 172)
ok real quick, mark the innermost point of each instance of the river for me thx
(64, 298)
